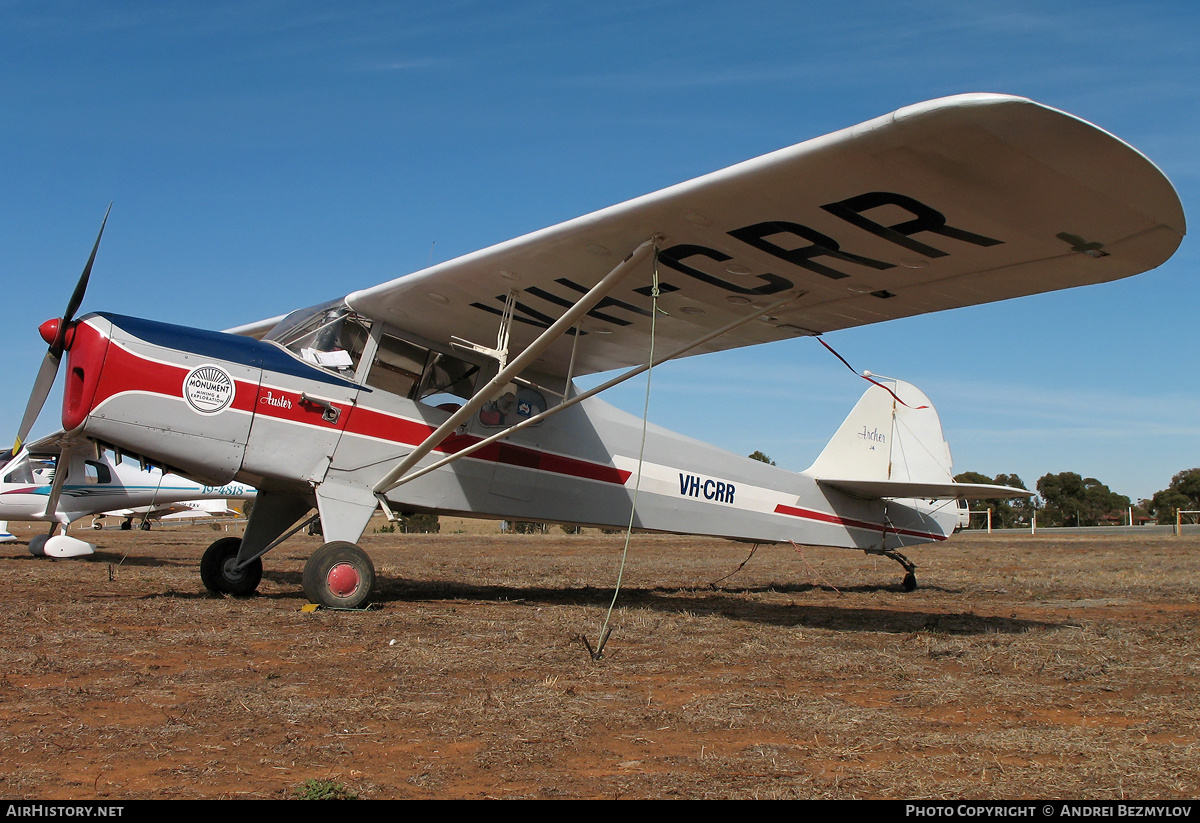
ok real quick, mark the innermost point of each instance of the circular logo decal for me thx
(208, 389)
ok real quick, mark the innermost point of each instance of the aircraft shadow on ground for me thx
(724, 602)
(111, 558)
(728, 602)
(118, 559)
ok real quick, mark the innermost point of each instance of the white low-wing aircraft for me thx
(99, 483)
(183, 510)
(451, 389)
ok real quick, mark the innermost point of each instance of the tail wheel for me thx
(339, 575)
(218, 569)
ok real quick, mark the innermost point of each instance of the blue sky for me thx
(263, 155)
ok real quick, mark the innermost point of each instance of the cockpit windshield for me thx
(330, 335)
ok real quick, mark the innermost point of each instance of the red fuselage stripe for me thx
(125, 372)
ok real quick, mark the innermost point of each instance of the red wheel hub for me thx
(343, 579)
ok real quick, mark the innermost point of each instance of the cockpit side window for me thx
(406, 369)
(19, 474)
(30, 470)
(397, 367)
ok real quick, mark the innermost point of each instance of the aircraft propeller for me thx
(50, 363)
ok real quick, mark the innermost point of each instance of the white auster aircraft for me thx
(96, 483)
(394, 396)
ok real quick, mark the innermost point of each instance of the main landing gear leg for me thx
(339, 575)
(233, 565)
(910, 568)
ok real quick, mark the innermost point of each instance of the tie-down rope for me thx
(654, 310)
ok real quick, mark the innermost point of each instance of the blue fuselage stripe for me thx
(232, 348)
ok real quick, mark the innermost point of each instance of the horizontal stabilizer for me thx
(907, 489)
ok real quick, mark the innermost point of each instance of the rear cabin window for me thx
(96, 473)
(512, 408)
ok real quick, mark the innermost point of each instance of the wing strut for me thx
(519, 363)
(579, 398)
(500, 353)
(62, 467)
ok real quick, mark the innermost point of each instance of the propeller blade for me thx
(80, 288)
(49, 370)
(37, 398)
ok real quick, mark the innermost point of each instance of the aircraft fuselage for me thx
(223, 408)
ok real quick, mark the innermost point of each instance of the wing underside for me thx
(950, 203)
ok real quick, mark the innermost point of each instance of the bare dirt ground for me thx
(1024, 667)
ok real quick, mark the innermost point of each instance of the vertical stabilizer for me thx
(888, 437)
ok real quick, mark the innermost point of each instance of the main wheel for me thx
(339, 575)
(219, 573)
(37, 545)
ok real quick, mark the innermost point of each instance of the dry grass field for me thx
(1023, 667)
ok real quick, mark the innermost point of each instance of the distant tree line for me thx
(1066, 499)
(1183, 493)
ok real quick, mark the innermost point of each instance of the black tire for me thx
(145, 525)
(218, 572)
(910, 582)
(37, 545)
(126, 525)
(339, 575)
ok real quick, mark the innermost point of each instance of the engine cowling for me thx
(183, 397)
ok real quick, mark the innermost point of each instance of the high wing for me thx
(954, 202)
